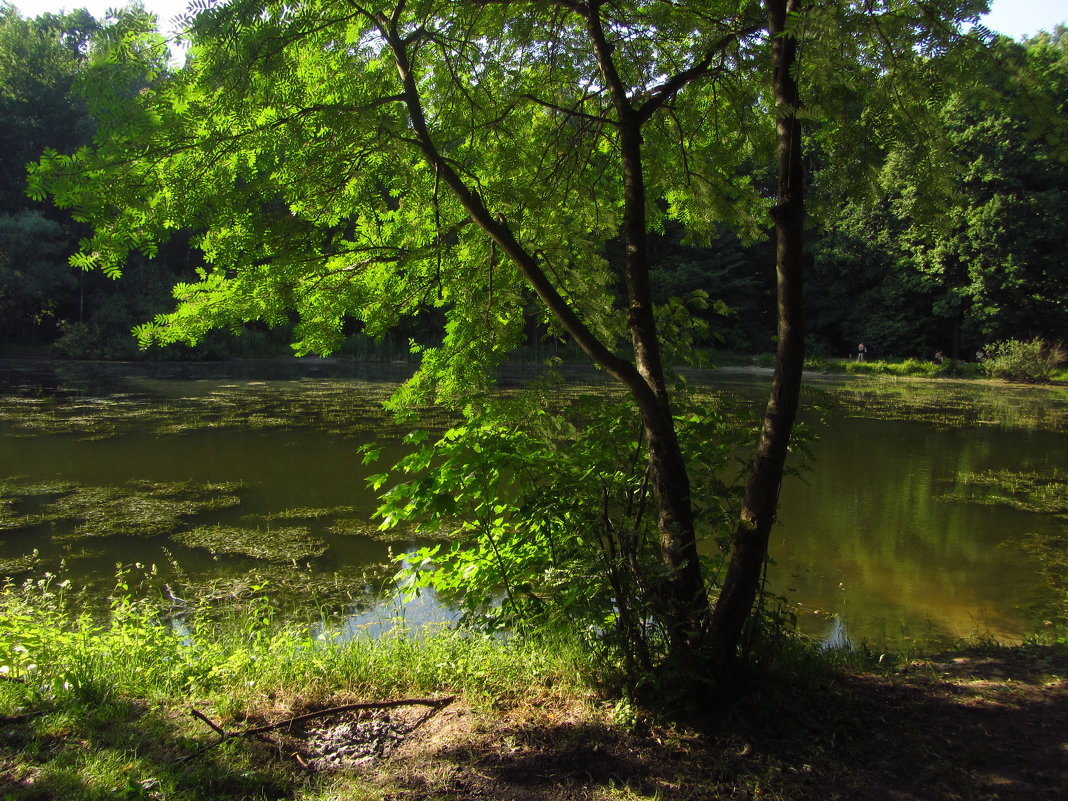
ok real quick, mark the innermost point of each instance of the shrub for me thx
(1030, 362)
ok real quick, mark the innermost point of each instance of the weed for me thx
(1030, 362)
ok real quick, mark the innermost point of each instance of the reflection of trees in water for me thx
(870, 519)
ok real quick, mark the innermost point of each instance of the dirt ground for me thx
(983, 724)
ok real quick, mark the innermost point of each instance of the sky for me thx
(1013, 18)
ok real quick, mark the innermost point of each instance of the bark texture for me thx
(751, 535)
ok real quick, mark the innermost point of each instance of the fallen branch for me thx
(224, 735)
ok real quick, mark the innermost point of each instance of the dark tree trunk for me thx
(686, 596)
(736, 599)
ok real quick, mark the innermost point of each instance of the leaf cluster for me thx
(547, 504)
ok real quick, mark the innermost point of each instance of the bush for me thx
(1030, 362)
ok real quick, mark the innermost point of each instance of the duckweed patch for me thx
(1040, 493)
(335, 406)
(218, 494)
(307, 513)
(21, 488)
(271, 544)
(139, 509)
(952, 404)
(21, 499)
(15, 566)
(108, 511)
(355, 528)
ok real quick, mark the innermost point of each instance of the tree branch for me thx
(498, 228)
(673, 85)
(224, 735)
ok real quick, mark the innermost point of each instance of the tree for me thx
(369, 161)
(38, 109)
(965, 254)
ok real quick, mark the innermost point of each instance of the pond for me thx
(228, 476)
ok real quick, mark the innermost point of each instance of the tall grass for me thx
(58, 653)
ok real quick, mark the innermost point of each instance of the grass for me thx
(99, 708)
(916, 368)
(94, 708)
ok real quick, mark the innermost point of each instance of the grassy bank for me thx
(94, 709)
(104, 709)
(914, 368)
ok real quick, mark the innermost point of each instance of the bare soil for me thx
(988, 723)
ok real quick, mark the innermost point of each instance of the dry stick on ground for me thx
(224, 735)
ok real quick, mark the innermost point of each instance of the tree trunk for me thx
(736, 599)
(686, 601)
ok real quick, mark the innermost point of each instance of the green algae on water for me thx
(306, 513)
(12, 567)
(20, 499)
(140, 508)
(271, 544)
(1040, 493)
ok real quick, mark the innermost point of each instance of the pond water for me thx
(226, 476)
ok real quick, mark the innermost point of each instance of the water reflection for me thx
(868, 536)
(838, 637)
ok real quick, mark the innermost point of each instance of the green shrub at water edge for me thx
(915, 368)
(1030, 362)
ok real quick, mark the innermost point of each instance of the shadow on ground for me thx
(990, 724)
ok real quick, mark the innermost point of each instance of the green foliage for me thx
(39, 60)
(97, 706)
(474, 163)
(33, 275)
(1029, 362)
(61, 654)
(958, 244)
(552, 515)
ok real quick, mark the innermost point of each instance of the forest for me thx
(939, 227)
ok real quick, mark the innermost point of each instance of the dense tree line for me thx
(957, 258)
(47, 306)
(918, 262)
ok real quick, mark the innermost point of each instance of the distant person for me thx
(940, 356)
(861, 350)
